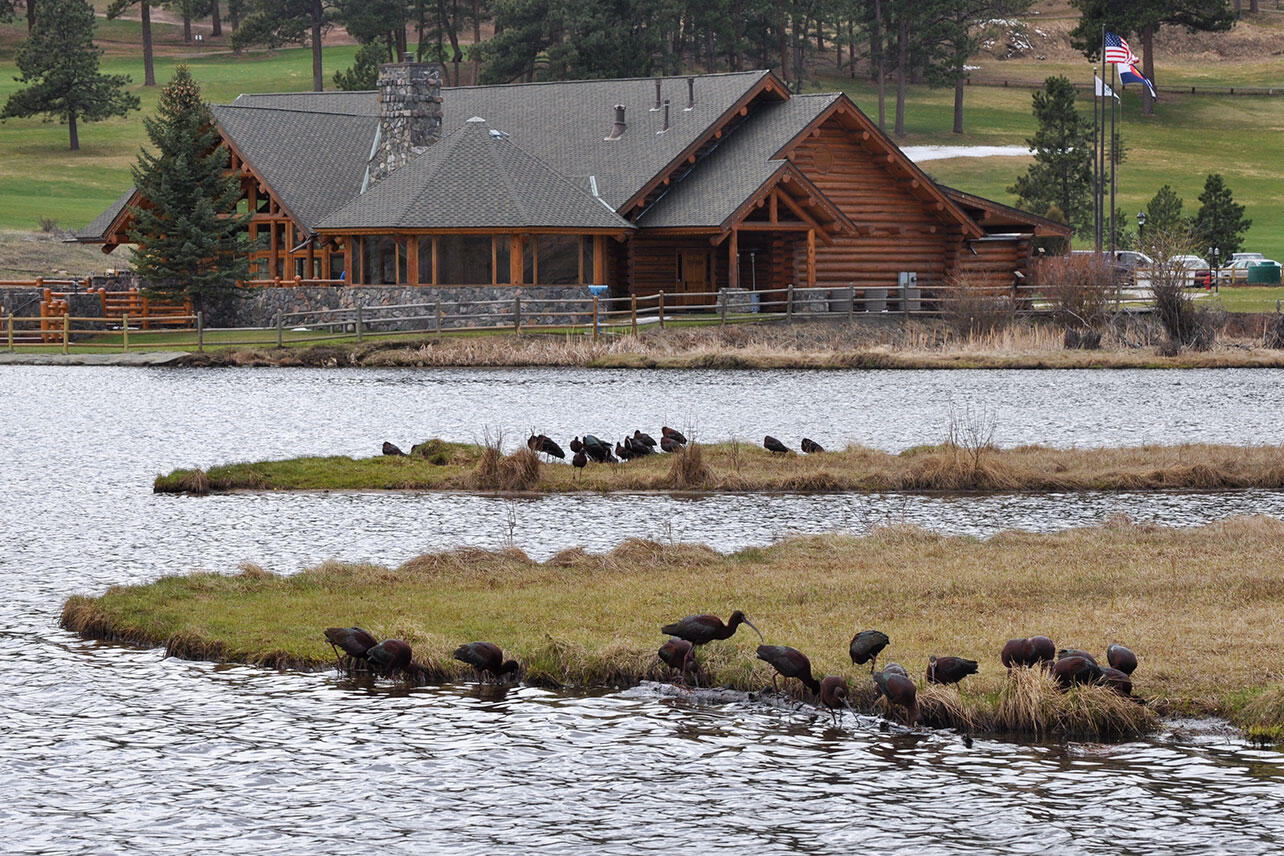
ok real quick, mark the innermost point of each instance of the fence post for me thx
(124, 332)
(722, 310)
(11, 330)
(200, 333)
(436, 322)
(517, 314)
(789, 302)
(633, 312)
(661, 310)
(851, 301)
(359, 325)
(279, 338)
(595, 316)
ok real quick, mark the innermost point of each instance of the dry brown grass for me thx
(589, 619)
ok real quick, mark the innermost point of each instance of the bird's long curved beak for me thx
(756, 630)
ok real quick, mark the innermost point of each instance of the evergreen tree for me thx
(1220, 222)
(282, 22)
(1163, 213)
(1061, 174)
(60, 62)
(364, 73)
(191, 240)
(114, 10)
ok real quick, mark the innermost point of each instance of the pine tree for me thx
(1061, 174)
(1220, 222)
(191, 240)
(1163, 213)
(60, 62)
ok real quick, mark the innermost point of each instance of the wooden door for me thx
(693, 276)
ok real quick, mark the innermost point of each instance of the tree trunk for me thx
(149, 66)
(1253, 7)
(31, 14)
(476, 41)
(234, 13)
(902, 60)
(877, 46)
(187, 29)
(318, 81)
(1148, 68)
(958, 100)
(782, 39)
(71, 128)
(216, 23)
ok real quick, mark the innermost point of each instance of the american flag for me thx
(1117, 51)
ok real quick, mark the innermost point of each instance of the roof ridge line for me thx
(296, 110)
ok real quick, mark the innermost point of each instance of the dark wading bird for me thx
(1069, 671)
(771, 444)
(390, 655)
(645, 439)
(833, 694)
(810, 446)
(699, 629)
(544, 443)
(391, 449)
(622, 453)
(1117, 680)
(579, 461)
(354, 641)
(949, 670)
(1122, 659)
(1017, 653)
(894, 669)
(789, 663)
(596, 449)
(668, 444)
(679, 654)
(865, 647)
(1045, 650)
(576, 445)
(486, 657)
(675, 436)
(1075, 652)
(899, 691)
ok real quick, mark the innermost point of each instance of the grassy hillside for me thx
(1190, 135)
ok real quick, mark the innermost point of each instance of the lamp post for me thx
(1141, 227)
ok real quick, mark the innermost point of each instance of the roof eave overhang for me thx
(787, 174)
(247, 164)
(1042, 226)
(113, 235)
(334, 231)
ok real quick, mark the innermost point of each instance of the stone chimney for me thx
(409, 115)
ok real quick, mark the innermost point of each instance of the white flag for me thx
(1103, 88)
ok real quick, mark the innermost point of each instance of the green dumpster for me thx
(1266, 273)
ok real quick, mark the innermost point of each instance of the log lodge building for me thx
(681, 185)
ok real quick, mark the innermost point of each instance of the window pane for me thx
(379, 260)
(528, 261)
(587, 254)
(403, 272)
(465, 259)
(502, 259)
(559, 259)
(425, 259)
(336, 266)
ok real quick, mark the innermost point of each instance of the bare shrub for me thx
(1185, 324)
(1082, 288)
(973, 309)
(971, 431)
(520, 470)
(1274, 336)
(687, 468)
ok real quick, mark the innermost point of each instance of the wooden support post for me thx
(811, 258)
(722, 309)
(517, 314)
(436, 321)
(633, 313)
(515, 272)
(359, 324)
(595, 317)
(412, 260)
(11, 331)
(200, 333)
(279, 331)
(661, 310)
(733, 252)
(789, 302)
(851, 301)
(124, 330)
(599, 260)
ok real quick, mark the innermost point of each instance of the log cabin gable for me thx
(263, 203)
(769, 88)
(789, 200)
(843, 126)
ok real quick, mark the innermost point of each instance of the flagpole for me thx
(1101, 152)
(1114, 163)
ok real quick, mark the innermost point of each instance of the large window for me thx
(559, 259)
(465, 260)
(379, 259)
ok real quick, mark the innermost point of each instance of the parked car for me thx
(1198, 271)
(1133, 259)
(1237, 270)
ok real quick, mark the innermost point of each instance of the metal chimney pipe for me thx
(657, 95)
(666, 116)
(620, 127)
(690, 93)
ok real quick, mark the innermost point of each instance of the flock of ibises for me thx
(591, 449)
(1068, 666)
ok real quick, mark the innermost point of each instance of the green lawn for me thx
(1249, 298)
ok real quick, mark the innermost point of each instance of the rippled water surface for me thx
(110, 749)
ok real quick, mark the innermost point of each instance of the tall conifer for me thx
(192, 242)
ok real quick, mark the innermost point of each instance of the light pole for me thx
(1141, 227)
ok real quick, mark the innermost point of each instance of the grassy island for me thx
(740, 466)
(1200, 607)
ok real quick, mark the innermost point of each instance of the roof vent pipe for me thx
(618, 130)
(666, 118)
(690, 93)
(657, 96)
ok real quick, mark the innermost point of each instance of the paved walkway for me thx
(133, 358)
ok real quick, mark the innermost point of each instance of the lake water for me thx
(112, 749)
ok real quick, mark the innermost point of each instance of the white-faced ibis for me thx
(1069, 671)
(1045, 650)
(1117, 680)
(544, 443)
(810, 446)
(354, 641)
(789, 663)
(486, 657)
(577, 445)
(596, 449)
(949, 670)
(833, 694)
(390, 655)
(622, 453)
(898, 690)
(579, 460)
(391, 449)
(675, 436)
(637, 448)
(865, 647)
(1122, 659)
(894, 669)
(771, 444)
(1066, 653)
(668, 444)
(699, 629)
(679, 654)
(1017, 653)
(645, 439)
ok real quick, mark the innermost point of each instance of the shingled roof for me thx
(475, 178)
(96, 231)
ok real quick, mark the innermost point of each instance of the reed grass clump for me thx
(687, 469)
